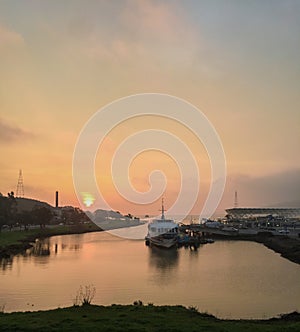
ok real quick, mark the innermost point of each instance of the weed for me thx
(193, 308)
(138, 302)
(84, 295)
(2, 308)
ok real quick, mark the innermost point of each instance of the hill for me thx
(27, 204)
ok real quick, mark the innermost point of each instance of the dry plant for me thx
(2, 308)
(84, 295)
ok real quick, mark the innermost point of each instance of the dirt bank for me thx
(288, 248)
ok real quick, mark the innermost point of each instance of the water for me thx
(228, 279)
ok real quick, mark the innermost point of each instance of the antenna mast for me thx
(162, 209)
(236, 199)
(20, 186)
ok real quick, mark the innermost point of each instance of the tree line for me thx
(10, 216)
(40, 215)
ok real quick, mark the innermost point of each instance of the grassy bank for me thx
(14, 242)
(136, 318)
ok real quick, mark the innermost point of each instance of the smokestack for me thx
(56, 199)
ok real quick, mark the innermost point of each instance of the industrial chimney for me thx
(56, 199)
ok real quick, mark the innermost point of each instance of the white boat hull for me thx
(162, 232)
(160, 241)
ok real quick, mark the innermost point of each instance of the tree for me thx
(42, 216)
(71, 215)
(8, 209)
(12, 208)
(2, 222)
(11, 195)
(25, 218)
(3, 211)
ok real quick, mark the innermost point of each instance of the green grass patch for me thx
(15, 237)
(134, 318)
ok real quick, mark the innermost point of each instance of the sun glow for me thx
(88, 199)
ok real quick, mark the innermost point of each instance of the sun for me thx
(88, 199)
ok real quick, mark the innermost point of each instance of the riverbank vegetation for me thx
(138, 318)
(16, 241)
(23, 220)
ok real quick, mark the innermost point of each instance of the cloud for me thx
(116, 50)
(144, 31)
(276, 190)
(9, 38)
(10, 134)
(151, 18)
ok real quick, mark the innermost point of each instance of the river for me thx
(229, 279)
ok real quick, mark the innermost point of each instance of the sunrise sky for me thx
(237, 61)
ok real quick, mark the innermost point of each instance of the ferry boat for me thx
(162, 232)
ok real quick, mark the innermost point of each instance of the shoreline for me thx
(25, 239)
(137, 317)
(287, 247)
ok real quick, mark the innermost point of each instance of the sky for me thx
(237, 61)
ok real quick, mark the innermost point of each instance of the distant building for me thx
(252, 213)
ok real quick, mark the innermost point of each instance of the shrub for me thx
(138, 302)
(193, 309)
(84, 295)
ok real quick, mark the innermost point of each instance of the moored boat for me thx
(162, 232)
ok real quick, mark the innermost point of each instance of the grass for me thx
(14, 237)
(133, 318)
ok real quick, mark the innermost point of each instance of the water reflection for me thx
(40, 252)
(6, 263)
(229, 279)
(163, 259)
(42, 249)
(75, 246)
(164, 263)
(68, 243)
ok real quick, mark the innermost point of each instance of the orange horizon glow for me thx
(59, 66)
